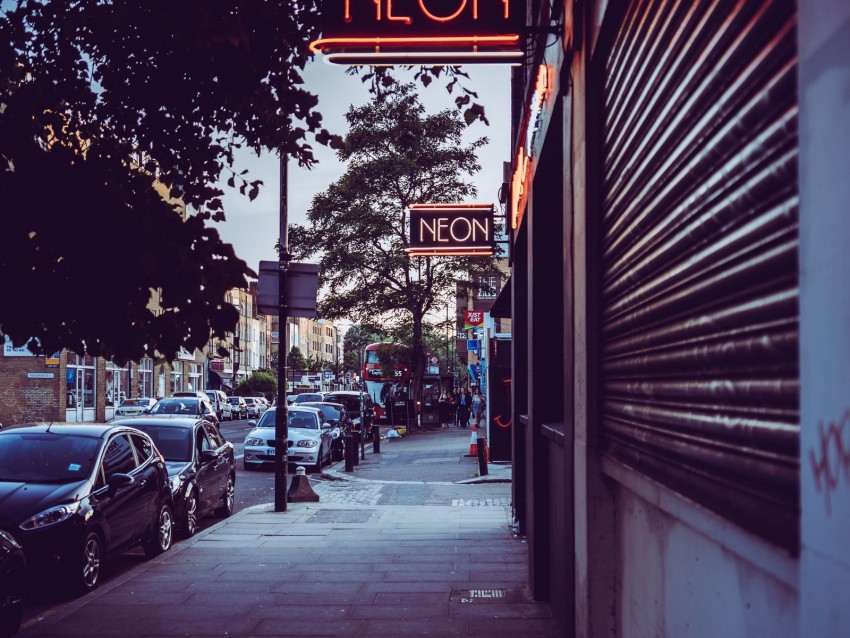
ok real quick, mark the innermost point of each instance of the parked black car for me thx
(352, 400)
(13, 573)
(199, 406)
(201, 466)
(337, 416)
(73, 494)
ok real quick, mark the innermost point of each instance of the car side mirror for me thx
(118, 480)
(207, 456)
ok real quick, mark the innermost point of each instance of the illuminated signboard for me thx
(451, 229)
(529, 142)
(376, 32)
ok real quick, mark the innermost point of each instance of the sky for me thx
(253, 227)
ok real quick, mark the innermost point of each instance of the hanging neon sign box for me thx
(456, 230)
(449, 32)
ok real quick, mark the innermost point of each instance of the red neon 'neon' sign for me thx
(417, 28)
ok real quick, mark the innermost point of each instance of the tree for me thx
(101, 103)
(397, 155)
(260, 383)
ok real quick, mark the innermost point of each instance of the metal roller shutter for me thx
(699, 294)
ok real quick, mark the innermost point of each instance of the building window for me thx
(176, 377)
(196, 377)
(117, 382)
(146, 377)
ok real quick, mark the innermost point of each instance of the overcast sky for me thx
(252, 227)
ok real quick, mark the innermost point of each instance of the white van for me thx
(220, 404)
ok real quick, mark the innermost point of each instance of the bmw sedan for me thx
(309, 443)
(73, 494)
(201, 466)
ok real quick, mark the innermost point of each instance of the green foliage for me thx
(178, 86)
(260, 383)
(396, 155)
(295, 361)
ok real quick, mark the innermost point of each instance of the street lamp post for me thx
(281, 422)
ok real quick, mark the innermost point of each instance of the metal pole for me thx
(281, 421)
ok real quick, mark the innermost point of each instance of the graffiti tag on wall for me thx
(830, 459)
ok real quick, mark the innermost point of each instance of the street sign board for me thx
(302, 285)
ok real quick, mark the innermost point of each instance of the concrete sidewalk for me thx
(324, 569)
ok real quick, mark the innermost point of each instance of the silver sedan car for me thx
(309, 440)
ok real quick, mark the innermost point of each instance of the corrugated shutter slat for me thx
(700, 310)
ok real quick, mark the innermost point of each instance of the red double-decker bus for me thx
(386, 375)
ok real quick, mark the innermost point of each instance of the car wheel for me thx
(318, 466)
(162, 534)
(190, 518)
(228, 499)
(85, 574)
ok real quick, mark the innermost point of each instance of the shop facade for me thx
(672, 213)
(76, 388)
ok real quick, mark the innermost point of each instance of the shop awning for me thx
(501, 308)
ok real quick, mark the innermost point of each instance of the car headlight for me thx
(176, 481)
(9, 538)
(51, 516)
(307, 443)
(252, 440)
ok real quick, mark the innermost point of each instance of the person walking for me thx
(445, 408)
(478, 406)
(463, 405)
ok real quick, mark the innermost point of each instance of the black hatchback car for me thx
(352, 400)
(201, 466)
(73, 494)
(337, 416)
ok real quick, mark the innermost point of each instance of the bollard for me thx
(300, 491)
(349, 452)
(482, 456)
(356, 455)
(376, 439)
(363, 435)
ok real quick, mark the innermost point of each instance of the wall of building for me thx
(640, 559)
(25, 399)
(824, 37)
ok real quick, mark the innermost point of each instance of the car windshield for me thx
(175, 444)
(297, 419)
(331, 412)
(46, 457)
(234, 400)
(302, 398)
(182, 405)
(352, 404)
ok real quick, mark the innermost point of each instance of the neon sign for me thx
(451, 230)
(413, 31)
(523, 162)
